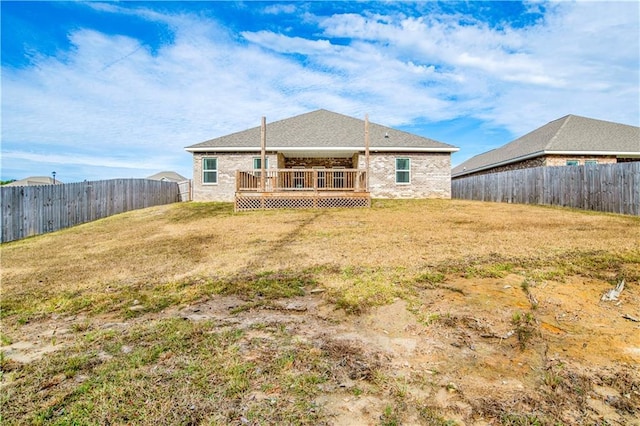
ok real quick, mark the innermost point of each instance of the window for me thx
(573, 163)
(209, 170)
(257, 164)
(403, 170)
(590, 162)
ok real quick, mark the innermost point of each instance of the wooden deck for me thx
(301, 188)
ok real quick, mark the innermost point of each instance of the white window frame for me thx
(205, 170)
(407, 171)
(257, 170)
(590, 162)
(572, 163)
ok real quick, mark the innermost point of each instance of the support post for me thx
(366, 147)
(263, 154)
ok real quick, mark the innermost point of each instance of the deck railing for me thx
(302, 180)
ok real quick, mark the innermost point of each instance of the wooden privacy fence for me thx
(33, 210)
(613, 188)
(184, 188)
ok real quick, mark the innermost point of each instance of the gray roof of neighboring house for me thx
(572, 135)
(34, 180)
(168, 176)
(322, 130)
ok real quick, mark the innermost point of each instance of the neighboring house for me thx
(570, 140)
(34, 180)
(320, 154)
(168, 176)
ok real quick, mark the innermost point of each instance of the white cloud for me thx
(285, 44)
(525, 76)
(110, 93)
(113, 96)
(89, 160)
(277, 9)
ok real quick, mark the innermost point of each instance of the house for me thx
(35, 180)
(168, 176)
(567, 141)
(319, 159)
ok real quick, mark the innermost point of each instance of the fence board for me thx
(613, 188)
(33, 210)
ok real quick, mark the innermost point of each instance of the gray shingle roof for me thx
(571, 134)
(170, 176)
(325, 130)
(34, 180)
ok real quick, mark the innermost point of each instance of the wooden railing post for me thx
(366, 148)
(315, 180)
(263, 148)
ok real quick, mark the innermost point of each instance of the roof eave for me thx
(500, 163)
(324, 148)
(411, 149)
(540, 153)
(616, 153)
(224, 149)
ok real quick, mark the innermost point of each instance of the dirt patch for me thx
(451, 353)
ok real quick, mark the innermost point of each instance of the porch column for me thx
(263, 154)
(366, 147)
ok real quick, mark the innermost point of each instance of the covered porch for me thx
(301, 188)
(309, 177)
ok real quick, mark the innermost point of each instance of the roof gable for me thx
(168, 176)
(34, 181)
(571, 134)
(322, 129)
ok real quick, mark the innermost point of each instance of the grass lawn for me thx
(434, 312)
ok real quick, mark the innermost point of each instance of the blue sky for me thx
(100, 90)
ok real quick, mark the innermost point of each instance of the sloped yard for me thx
(432, 312)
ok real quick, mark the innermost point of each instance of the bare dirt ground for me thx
(524, 340)
(466, 361)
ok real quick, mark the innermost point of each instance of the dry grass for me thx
(143, 263)
(179, 253)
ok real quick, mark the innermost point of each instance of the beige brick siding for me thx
(561, 160)
(545, 161)
(228, 163)
(430, 173)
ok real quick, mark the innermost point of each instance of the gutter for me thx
(500, 163)
(540, 153)
(324, 148)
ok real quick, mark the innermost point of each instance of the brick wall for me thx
(228, 163)
(309, 163)
(547, 161)
(526, 164)
(430, 175)
(561, 160)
